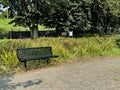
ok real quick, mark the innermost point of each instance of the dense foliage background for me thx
(94, 16)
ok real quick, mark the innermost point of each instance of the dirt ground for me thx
(93, 74)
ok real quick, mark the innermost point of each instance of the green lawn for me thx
(5, 27)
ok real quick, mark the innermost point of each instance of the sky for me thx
(1, 7)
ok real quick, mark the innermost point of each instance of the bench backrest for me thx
(24, 54)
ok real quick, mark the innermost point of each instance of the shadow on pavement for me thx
(7, 84)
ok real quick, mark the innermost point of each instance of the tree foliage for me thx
(103, 14)
(63, 15)
(81, 15)
(67, 15)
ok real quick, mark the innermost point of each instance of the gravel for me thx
(92, 74)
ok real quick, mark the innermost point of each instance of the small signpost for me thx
(70, 33)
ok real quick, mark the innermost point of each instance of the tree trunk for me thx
(57, 31)
(34, 32)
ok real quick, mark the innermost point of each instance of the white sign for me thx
(70, 33)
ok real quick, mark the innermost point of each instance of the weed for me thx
(66, 48)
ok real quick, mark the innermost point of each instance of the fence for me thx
(27, 34)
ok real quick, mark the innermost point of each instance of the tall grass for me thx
(66, 48)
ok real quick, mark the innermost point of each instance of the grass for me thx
(5, 27)
(66, 48)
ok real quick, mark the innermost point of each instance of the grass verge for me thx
(66, 48)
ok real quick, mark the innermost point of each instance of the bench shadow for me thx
(7, 84)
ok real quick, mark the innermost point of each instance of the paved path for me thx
(98, 74)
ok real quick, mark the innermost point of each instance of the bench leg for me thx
(48, 61)
(25, 65)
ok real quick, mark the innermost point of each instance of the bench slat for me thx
(37, 58)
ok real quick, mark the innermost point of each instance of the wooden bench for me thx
(36, 53)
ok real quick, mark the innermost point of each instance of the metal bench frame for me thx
(35, 53)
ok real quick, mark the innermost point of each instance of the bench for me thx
(36, 53)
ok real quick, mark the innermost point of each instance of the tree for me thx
(66, 15)
(104, 14)
(58, 17)
(28, 13)
(114, 7)
(78, 16)
(97, 14)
